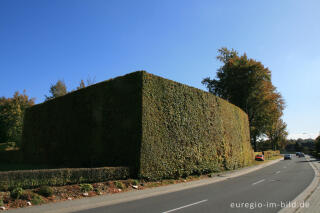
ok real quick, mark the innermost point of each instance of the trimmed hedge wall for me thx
(157, 127)
(188, 131)
(99, 125)
(11, 156)
(59, 177)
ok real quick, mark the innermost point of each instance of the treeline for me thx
(317, 145)
(246, 83)
(309, 145)
(12, 110)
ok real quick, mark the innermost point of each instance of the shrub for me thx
(36, 199)
(45, 191)
(16, 193)
(119, 185)
(26, 195)
(86, 187)
(135, 182)
(33, 197)
(1, 201)
(97, 191)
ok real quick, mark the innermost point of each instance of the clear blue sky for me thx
(42, 41)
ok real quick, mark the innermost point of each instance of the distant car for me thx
(259, 157)
(297, 153)
(301, 154)
(287, 157)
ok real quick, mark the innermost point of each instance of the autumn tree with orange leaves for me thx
(247, 84)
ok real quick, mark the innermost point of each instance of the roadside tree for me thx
(11, 116)
(247, 84)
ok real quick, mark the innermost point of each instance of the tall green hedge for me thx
(11, 156)
(157, 127)
(99, 125)
(186, 130)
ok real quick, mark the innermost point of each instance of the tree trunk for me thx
(255, 143)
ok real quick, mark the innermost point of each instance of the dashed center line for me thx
(260, 181)
(182, 207)
(277, 172)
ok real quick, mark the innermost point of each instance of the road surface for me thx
(265, 190)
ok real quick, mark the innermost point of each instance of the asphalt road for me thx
(264, 190)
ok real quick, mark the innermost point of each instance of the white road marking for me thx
(260, 181)
(182, 207)
(284, 167)
(277, 172)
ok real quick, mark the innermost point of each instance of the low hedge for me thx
(270, 153)
(276, 152)
(59, 177)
